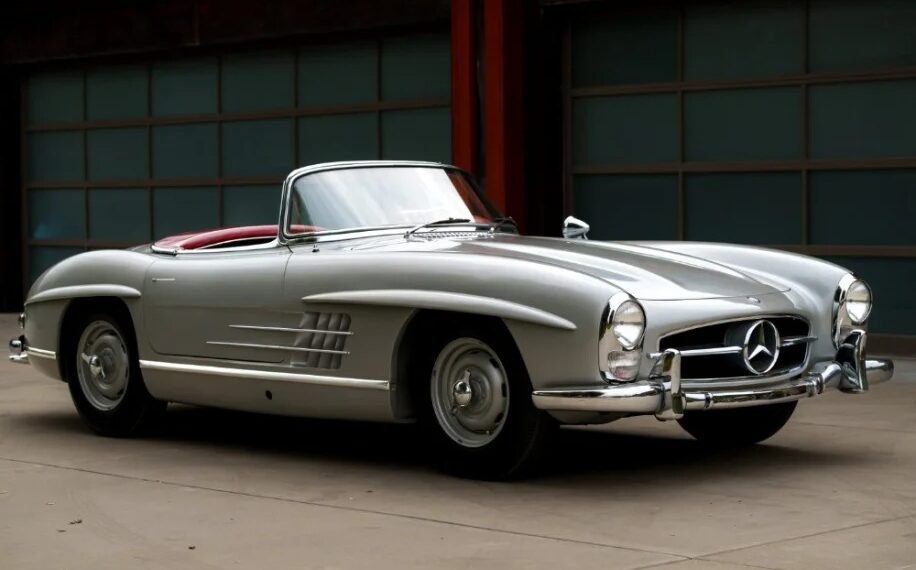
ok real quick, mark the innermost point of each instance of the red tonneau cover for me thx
(209, 238)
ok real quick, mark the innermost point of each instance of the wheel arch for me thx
(418, 334)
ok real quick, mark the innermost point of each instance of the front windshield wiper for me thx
(443, 222)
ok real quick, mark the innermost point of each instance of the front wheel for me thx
(737, 427)
(103, 374)
(476, 407)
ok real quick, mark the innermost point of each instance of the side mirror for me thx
(574, 228)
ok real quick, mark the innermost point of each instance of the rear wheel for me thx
(103, 374)
(475, 406)
(737, 427)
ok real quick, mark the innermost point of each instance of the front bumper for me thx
(666, 397)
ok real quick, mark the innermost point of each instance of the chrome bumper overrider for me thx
(666, 397)
(18, 351)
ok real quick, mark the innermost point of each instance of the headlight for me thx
(852, 305)
(620, 336)
(628, 323)
(858, 302)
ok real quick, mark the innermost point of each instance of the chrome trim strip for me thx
(40, 353)
(276, 347)
(712, 351)
(794, 340)
(290, 330)
(444, 300)
(788, 341)
(73, 291)
(248, 374)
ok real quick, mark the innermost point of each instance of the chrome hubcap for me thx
(470, 392)
(103, 365)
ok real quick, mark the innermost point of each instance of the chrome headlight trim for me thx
(609, 341)
(843, 321)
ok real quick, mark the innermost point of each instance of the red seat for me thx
(209, 238)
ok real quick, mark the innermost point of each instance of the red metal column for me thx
(465, 142)
(504, 105)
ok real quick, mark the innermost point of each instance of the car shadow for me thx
(575, 454)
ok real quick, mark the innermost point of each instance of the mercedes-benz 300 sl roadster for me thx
(393, 291)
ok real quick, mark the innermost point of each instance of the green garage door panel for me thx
(118, 154)
(883, 200)
(57, 214)
(55, 98)
(620, 207)
(185, 87)
(754, 208)
(338, 75)
(251, 205)
(625, 129)
(119, 214)
(618, 49)
(338, 137)
(422, 134)
(116, 92)
(851, 35)
(761, 39)
(876, 119)
(743, 124)
(186, 151)
(177, 210)
(258, 81)
(55, 157)
(258, 148)
(416, 67)
(891, 281)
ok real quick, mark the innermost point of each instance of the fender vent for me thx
(327, 332)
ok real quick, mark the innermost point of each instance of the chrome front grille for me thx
(711, 352)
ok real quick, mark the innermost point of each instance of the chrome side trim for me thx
(40, 353)
(276, 347)
(444, 300)
(74, 291)
(290, 330)
(248, 374)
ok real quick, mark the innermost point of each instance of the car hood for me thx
(646, 272)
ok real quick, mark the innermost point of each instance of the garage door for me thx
(123, 154)
(782, 123)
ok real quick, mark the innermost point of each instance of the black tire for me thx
(136, 410)
(524, 431)
(737, 427)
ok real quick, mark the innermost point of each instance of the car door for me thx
(218, 304)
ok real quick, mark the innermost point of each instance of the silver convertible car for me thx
(393, 291)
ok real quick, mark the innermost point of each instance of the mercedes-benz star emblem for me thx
(761, 347)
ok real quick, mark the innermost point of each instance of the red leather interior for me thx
(210, 238)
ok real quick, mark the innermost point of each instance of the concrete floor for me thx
(836, 489)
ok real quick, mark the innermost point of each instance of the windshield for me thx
(356, 198)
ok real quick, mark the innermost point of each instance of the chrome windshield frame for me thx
(286, 238)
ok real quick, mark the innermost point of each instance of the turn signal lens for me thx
(623, 365)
